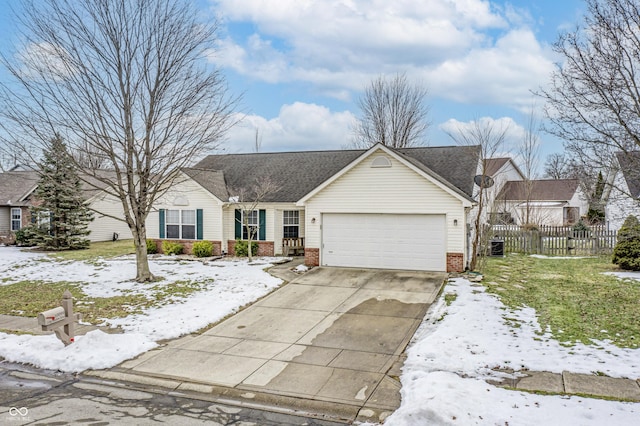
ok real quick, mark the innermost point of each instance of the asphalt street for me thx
(34, 396)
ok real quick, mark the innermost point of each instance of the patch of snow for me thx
(459, 346)
(625, 275)
(444, 398)
(227, 285)
(542, 256)
(301, 268)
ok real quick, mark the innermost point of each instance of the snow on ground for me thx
(625, 275)
(457, 347)
(443, 380)
(227, 286)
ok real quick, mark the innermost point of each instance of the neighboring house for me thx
(624, 196)
(15, 191)
(16, 197)
(554, 202)
(500, 170)
(380, 208)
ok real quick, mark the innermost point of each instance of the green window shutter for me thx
(198, 224)
(262, 223)
(238, 224)
(161, 233)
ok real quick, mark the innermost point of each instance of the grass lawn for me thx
(571, 296)
(30, 297)
(105, 249)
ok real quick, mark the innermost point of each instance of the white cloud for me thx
(504, 74)
(298, 127)
(514, 132)
(466, 50)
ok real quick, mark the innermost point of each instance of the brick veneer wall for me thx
(265, 248)
(311, 256)
(188, 245)
(455, 262)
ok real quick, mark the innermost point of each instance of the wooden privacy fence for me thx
(555, 241)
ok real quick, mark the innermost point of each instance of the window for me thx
(255, 220)
(291, 222)
(181, 224)
(16, 219)
(250, 223)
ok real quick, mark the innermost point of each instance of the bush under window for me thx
(152, 247)
(202, 249)
(241, 248)
(170, 247)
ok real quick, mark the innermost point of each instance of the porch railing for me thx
(292, 246)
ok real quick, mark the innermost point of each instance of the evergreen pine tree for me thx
(62, 215)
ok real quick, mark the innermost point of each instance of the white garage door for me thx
(386, 241)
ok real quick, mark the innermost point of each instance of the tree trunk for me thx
(143, 273)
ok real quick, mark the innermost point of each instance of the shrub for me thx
(27, 236)
(581, 230)
(241, 248)
(152, 247)
(626, 253)
(630, 229)
(202, 249)
(170, 247)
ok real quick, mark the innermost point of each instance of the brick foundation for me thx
(311, 256)
(188, 245)
(455, 262)
(265, 248)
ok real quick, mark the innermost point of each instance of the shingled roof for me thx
(541, 190)
(298, 173)
(630, 167)
(211, 180)
(16, 186)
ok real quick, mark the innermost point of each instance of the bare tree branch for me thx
(593, 102)
(394, 113)
(490, 138)
(124, 81)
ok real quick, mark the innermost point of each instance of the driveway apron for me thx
(330, 341)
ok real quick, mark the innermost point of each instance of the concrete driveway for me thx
(329, 343)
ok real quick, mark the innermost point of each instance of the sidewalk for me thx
(575, 384)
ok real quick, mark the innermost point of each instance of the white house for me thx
(624, 195)
(381, 207)
(553, 202)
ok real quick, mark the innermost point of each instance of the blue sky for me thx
(301, 65)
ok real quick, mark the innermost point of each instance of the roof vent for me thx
(181, 200)
(381, 161)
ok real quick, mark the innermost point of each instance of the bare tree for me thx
(529, 154)
(556, 166)
(595, 180)
(490, 137)
(593, 102)
(394, 113)
(127, 81)
(247, 199)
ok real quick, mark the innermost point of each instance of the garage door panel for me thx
(384, 241)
